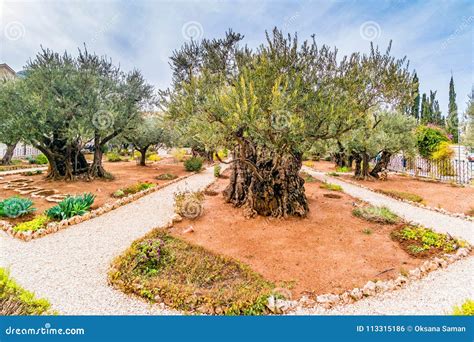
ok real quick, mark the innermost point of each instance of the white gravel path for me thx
(435, 294)
(14, 172)
(69, 268)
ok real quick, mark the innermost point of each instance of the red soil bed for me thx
(435, 194)
(125, 173)
(325, 252)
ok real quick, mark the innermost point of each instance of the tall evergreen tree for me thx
(452, 120)
(435, 112)
(425, 114)
(415, 108)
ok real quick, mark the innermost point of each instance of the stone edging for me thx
(53, 227)
(329, 300)
(420, 205)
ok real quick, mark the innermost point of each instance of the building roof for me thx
(10, 70)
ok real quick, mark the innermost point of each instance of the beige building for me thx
(6, 72)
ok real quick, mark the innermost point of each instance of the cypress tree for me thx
(415, 109)
(425, 110)
(452, 120)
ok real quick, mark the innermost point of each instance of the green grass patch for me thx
(14, 300)
(333, 174)
(133, 189)
(376, 214)
(330, 186)
(403, 195)
(423, 242)
(343, 169)
(160, 267)
(466, 309)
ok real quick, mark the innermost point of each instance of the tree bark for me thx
(7, 157)
(381, 164)
(143, 155)
(267, 183)
(340, 157)
(358, 168)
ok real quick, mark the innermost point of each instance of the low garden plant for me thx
(166, 176)
(423, 242)
(14, 207)
(179, 154)
(343, 169)
(14, 300)
(133, 189)
(113, 157)
(217, 171)
(33, 225)
(71, 206)
(466, 309)
(307, 177)
(376, 214)
(403, 195)
(193, 164)
(186, 277)
(330, 186)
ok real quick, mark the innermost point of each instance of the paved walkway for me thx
(69, 268)
(14, 172)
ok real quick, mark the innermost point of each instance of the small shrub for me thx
(308, 163)
(330, 186)
(466, 309)
(193, 164)
(217, 171)
(41, 159)
(188, 204)
(179, 154)
(403, 195)
(166, 176)
(16, 206)
(470, 212)
(14, 300)
(343, 169)
(71, 206)
(154, 157)
(118, 193)
(376, 214)
(37, 223)
(113, 157)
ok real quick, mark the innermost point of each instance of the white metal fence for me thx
(21, 151)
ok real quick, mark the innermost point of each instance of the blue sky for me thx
(436, 36)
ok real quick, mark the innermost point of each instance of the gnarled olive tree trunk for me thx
(381, 165)
(8, 156)
(266, 183)
(65, 160)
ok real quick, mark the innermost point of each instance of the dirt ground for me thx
(326, 252)
(125, 173)
(435, 194)
(322, 165)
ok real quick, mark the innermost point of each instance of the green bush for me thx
(330, 186)
(71, 206)
(14, 300)
(16, 206)
(428, 139)
(217, 171)
(193, 164)
(133, 189)
(113, 157)
(41, 159)
(466, 309)
(37, 223)
(343, 169)
(376, 214)
(179, 154)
